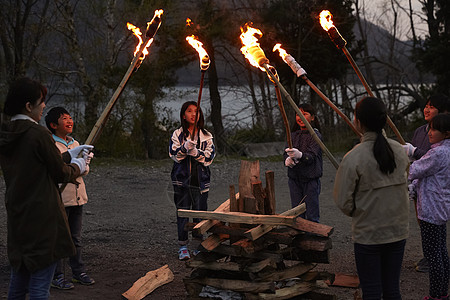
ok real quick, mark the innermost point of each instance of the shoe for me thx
(83, 278)
(61, 283)
(422, 266)
(183, 253)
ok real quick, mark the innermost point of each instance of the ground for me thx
(130, 228)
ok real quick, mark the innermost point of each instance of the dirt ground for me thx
(130, 228)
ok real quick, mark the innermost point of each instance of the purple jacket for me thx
(433, 183)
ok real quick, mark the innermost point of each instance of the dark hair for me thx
(53, 116)
(441, 122)
(371, 112)
(184, 123)
(310, 109)
(21, 91)
(440, 102)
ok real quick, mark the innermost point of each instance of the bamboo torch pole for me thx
(340, 42)
(300, 72)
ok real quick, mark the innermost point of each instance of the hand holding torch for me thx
(327, 24)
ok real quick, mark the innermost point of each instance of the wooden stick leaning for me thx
(299, 113)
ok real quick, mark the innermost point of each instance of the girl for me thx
(371, 187)
(433, 203)
(304, 162)
(190, 173)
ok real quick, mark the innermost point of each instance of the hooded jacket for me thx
(38, 231)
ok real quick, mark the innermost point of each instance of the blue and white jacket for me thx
(181, 171)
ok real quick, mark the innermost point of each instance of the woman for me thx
(371, 187)
(38, 233)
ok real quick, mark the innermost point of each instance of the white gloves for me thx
(294, 154)
(88, 156)
(81, 163)
(190, 146)
(289, 162)
(76, 151)
(409, 149)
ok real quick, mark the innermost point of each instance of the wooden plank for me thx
(285, 293)
(148, 283)
(312, 242)
(260, 194)
(345, 280)
(235, 285)
(232, 266)
(290, 272)
(269, 201)
(214, 240)
(259, 231)
(291, 253)
(238, 217)
(238, 251)
(248, 173)
(203, 226)
(313, 227)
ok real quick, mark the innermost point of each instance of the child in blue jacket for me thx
(192, 151)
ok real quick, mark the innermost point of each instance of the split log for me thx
(238, 251)
(292, 253)
(285, 293)
(290, 272)
(269, 203)
(238, 217)
(313, 227)
(203, 226)
(258, 231)
(232, 266)
(311, 242)
(344, 280)
(234, 285)
(214, 240)
(148, 283)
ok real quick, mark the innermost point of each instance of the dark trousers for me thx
(74, 216)
(379, 269)
(311, 189)
(434, 246)
(188, 198)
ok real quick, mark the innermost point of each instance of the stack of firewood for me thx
(253, 253)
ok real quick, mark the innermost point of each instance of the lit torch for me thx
(255, 55)
(204, 65)
(326, 22)
(300, 72)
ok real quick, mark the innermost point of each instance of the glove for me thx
(294, 153)
(76, 151)
(193, 152)
(87, 156)
(81, 163)
(189, 145)
(409, 149)
(289, 162)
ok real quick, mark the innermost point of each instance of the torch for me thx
(327, 24)
(139, 55)
(204, 65)
(300, 72)
(255, 55)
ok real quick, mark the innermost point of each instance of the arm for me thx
(177, 151)
(426, 166)
(206, 156)
(312, 150)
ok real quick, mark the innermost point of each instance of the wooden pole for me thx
(202, 79)
(299, 113)
(283, 114)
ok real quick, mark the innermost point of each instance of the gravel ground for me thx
(130, 228)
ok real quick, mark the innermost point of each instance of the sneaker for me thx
(61, 283)
(183, 253)
(422, 266)
(83, 278)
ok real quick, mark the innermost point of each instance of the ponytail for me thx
(371, 112)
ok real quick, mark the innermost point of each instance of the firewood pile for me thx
(253, 253)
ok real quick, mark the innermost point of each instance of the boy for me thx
(60, 123)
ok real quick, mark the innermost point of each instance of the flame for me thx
(325, 19)
(250, 48)
(189, 22)
(137, 32)
(282, 52)
(197, 45)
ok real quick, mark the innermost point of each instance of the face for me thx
(64, 126)
(189, 114)
(435, 136)
(35, 110)
(429, 112)
(307, 116)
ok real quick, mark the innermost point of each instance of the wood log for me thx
(259, 231)
(292, 253)
(148, 283)
(284, 293)
(344, 280)
(214, 240)
(238, 217)
(203, 226)
(313, 227)
(314, 295)
(269, 200)
(232, 266)
(248, 173)
(311, 242)
(260, 194)
(234, 285)
(290, 272)
(238, 251)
